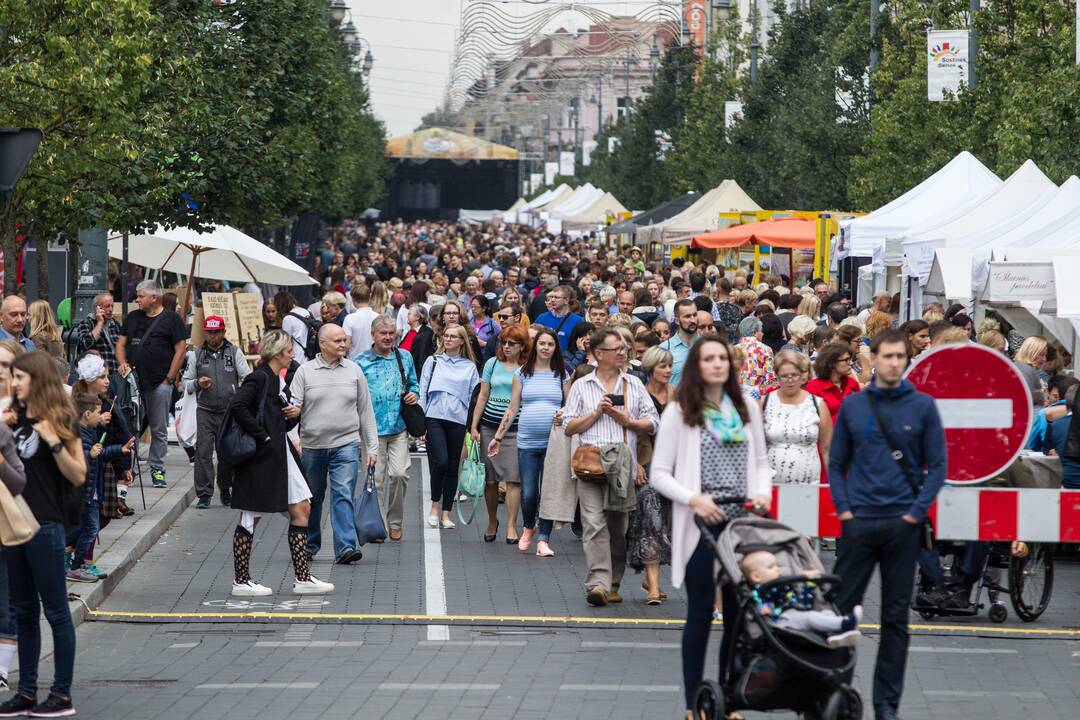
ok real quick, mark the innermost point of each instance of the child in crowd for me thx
(792, 606)
(92, 428)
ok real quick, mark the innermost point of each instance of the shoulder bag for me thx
(472, 477)
(586, 463)
(234, 444)
(413, 415)
(366, 515)
(926, 531)
(17, 522)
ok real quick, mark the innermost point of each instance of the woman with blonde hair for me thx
(379, 298)
(798, 425)
(1029, 360)
(45, 334)
(810, 306)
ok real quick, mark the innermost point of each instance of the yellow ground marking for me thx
(533, 620)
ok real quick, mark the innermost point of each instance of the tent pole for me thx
(190, 285)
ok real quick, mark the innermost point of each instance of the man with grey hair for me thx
(153, 342)
(335, 412)
(391, 379)
(13, 322)
(98, 331)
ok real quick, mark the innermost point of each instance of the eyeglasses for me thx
(505, 317)
(790, 378)
(621, 350)
(452, 336)
(844, 359)
(510, 343)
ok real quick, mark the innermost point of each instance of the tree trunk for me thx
(42, 268)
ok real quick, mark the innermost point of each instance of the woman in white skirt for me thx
(272, 481)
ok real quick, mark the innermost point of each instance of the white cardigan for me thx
(676, 474)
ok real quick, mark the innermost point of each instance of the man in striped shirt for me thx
(607, 407)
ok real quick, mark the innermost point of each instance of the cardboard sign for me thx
(221, 304)
(249, 313)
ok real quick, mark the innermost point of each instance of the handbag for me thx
(472, 477)
(586, 462)
(413, 415)
(926, 530)
(17, 521)
(187, 421)
(366, 513)
(235, 444)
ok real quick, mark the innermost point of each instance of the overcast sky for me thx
(413, 44)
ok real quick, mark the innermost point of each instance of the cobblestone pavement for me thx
(299, 660)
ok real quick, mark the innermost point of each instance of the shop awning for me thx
(785, 232)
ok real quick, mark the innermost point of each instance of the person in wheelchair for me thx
(941, 591)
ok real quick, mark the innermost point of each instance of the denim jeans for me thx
(88, 531)
(36, 575)
(158, 403)
(338, 465)
(891, 545)
(531, 473)
(7, 607)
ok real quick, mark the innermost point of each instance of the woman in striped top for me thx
(539, 390)
(496, 387)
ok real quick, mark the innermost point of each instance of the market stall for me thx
(792, 233)
(701, 217)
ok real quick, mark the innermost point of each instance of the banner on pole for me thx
(946, 63)
(587, 148)
(696, 17)
(535, 180)
(566, 163)
(732, 113)
(550, 170)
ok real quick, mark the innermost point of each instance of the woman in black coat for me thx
(272, 480)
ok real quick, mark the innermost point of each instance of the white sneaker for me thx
(250, 589)
(844, 639)
(433, 521)
(447, 524)
(312, 586)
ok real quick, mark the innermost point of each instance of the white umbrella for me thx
(223, 253)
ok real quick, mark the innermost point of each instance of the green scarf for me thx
(724, 423)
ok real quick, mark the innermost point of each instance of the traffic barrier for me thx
(959, 513)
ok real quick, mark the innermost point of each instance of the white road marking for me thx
(309, 643)
(259, 686)
(962, 651)
(620, 688)
(434, 578)
(633, 645)
(1020, 695)
(179, 646)
(984, 413)
(471, 643)
(436, 686)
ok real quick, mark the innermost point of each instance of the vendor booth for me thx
(594, 217)
(656, 214)
(799, 235)
(701, 217)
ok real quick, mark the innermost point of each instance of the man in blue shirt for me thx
(384, 378)
(13, 322)
(1057, 436)
(558, 316)
(683, 338)
(876, 499)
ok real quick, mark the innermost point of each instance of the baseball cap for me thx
(214, 322)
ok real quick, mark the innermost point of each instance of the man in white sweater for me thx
(335, 412)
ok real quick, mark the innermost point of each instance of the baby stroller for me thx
(770, 667)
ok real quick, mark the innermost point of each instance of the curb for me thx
(121, 551)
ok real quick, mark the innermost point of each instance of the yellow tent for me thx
(442, 144)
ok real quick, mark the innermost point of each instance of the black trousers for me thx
(891, 545)
(444, 442)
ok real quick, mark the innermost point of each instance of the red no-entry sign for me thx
(985, 406)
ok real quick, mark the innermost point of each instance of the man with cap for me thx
(213, 376)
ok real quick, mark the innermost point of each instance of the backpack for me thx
(311, 347)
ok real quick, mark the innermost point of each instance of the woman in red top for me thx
(834, 381)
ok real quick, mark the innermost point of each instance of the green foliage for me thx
(251, 107)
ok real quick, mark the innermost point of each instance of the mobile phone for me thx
(616, 400)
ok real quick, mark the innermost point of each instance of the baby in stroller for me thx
(792, 605)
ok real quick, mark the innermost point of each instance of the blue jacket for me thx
(863, 476)
(95, 467)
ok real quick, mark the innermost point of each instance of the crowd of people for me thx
(613, 397)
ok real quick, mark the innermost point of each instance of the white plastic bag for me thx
(187, 422)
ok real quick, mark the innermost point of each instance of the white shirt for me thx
(358, 327)
(297, 330)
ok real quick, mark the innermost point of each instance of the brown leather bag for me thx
(587, 466)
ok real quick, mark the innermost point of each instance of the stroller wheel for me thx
(709, 701)
(845, 703)
(926, 615)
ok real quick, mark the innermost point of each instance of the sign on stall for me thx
(222, 304)
(1017, 281)
(919, 257)
(249, 313)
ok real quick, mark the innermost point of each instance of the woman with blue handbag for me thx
(272, 481)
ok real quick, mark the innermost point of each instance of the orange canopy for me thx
(785, 232)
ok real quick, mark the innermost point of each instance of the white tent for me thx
(570, 199)
(702, 216)
(941, 256)
(541, 199)
(961, 181)
(595, 215)
(585, 196)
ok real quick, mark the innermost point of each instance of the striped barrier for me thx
(959, 513)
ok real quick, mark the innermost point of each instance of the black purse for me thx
(413, 415)
(234, 444)
(926, 531)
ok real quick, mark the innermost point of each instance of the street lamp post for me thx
(654, 58)
(349, 33)
(338, 10)
(754, 41)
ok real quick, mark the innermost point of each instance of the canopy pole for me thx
(124, 275)
(190, 284)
